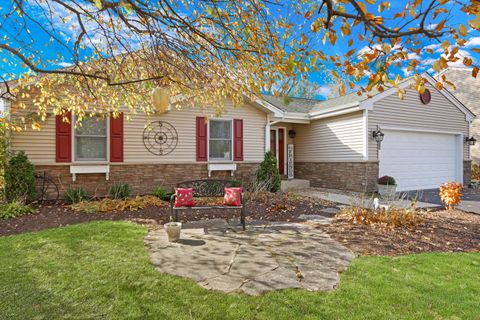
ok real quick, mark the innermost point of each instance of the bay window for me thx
(90, 140)
(220, 140)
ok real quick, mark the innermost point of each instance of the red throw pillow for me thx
(232, 197)
(184, 197)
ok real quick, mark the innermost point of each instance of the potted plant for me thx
(173, 229)
(387, 187)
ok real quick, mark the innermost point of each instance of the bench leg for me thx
(242, 217)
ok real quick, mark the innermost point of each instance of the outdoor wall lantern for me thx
(471, 141)
(292, 134)
(378, 136)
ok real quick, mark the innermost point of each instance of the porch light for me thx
(471, 141)
(292, 134)
(378, 135)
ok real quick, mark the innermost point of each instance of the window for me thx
(91, 140)
(220, 140)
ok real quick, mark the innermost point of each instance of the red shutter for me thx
(238, 140)
(201, 139)
(116, 138)
(63, 138)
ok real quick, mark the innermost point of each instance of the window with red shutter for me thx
(63, 138)
(116, 138)
(238, 140)
(201, 139)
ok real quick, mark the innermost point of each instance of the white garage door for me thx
(419, 160)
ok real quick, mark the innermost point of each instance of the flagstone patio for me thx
(266, 257)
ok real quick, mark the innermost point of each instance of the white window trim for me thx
(90, 161)
(219, 160)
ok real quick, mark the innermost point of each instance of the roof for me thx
(291, 104)
(467, 87)
(312, 108)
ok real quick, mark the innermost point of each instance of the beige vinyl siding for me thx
(439, 115)
(338, 138)
(40, 145)
(183, 120)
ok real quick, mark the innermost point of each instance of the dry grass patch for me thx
(112, 205)
(392, 218)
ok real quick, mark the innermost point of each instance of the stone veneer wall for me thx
(356, 176)
(142, 178)
(467, 172)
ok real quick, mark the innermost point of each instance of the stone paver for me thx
(354, 199)
(263, 258)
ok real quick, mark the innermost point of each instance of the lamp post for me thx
(378, 135)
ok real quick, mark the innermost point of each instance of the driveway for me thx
(470, 199)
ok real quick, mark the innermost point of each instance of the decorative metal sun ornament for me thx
(160, 138)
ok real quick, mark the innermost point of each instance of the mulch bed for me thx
(440, 231)
(267, 207)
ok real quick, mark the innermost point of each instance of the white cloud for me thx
(406, 72)
(324, 91)
(473, 41)
(459, 63)
(64, 64)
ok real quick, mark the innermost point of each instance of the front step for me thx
(294, 184)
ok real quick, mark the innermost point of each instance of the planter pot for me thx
(387, 191)
(173, 230)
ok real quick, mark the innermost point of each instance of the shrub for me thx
(162, 193)
(451, 194)
(267, 174)
(15, 209)
(75, 195)
(20, 179)
(386, 180)
(119, 191)
(475, 172)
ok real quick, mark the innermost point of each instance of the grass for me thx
(101, 270)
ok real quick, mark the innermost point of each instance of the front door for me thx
(277, 146)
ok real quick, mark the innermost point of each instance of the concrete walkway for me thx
(264, 258)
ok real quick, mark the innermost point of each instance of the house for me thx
(468, 92)
(330, 143)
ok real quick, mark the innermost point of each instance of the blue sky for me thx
(51, 50)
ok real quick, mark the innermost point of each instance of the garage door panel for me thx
(419, 160)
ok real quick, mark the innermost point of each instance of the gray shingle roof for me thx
(290, 104)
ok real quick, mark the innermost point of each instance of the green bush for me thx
(162, 193)
(20, 179)
(119, 191)
(15, 209)
(268, 175)
(75, 195)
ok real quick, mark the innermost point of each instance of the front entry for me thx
(277, 146)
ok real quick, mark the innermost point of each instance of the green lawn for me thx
(100, 270)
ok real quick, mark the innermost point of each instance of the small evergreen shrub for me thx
(119, 191)
(15, 209)
(20, 179)
(75, 195)
(162, 193)
(268, 175)
(386, 180)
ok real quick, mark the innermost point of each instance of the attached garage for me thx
(421, 160)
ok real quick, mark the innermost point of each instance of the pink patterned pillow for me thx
(232, 197)
(184, 197)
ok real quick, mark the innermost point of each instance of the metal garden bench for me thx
(205, 189)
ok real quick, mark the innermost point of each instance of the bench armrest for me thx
(172, 199)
